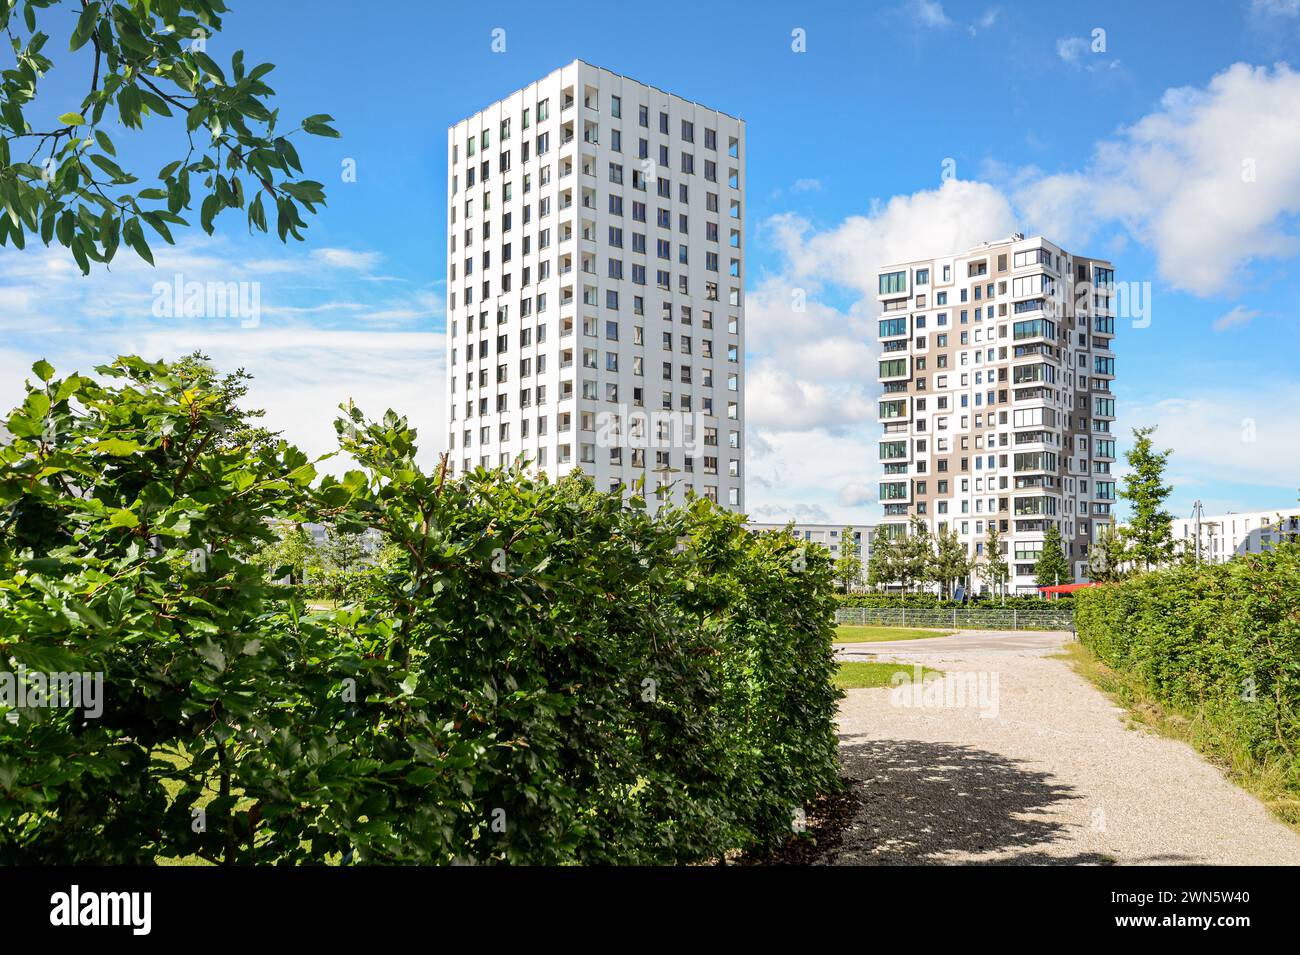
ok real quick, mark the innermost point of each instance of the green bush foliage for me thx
(1220, 642)
(928, 601)
(536, 672)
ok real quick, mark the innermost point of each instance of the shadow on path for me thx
(919, 802)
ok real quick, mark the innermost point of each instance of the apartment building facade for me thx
(595, 303)
(1224, 536)
(997, 405)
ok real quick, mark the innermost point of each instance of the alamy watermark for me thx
(970, 690)
(133, 910)
(193, 299)
(37, 689)
(639, 429)
(1118, 299)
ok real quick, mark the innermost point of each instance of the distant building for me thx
(997, 403)
(1224, 536)
(836, 538)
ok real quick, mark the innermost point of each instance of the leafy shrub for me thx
(1220, 642)
(923, 600)
(536, 673)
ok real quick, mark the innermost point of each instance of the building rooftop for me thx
(594, 66)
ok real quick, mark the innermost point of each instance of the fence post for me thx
(1013, 620)
(954, 618)
(905, 615)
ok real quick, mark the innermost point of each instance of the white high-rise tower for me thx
(595, 303)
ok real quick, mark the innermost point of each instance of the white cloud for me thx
(777, 399)
(1239, 317)
(1208, 181)
(1071, 49)
(322, 337)
(928, 13)
(806, 185)
(803, 476)
(1275, 8)
(300, 376)
(957, 215)
(856, 494)
(985, 21)
(1244, 436)
(347, 259)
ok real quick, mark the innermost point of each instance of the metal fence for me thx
(961, 618)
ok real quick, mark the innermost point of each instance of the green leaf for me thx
(124, 517)
(116, 447)
(71, 119)
(318, 126)
(43, 370)
(85, 26)
(133, 235)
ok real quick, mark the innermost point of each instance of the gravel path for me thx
(1051, 775)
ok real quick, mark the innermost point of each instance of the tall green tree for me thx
(993, 568)
(848, 568)
(884, 563)
(345, 550)
(1150, 527)
(914, 554)
(949, 560)
(1052, 566)
(143, 61)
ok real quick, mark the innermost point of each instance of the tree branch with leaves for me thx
(146, 60)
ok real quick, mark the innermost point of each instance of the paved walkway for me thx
(1051, 774)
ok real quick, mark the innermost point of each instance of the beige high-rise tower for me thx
(996, 369)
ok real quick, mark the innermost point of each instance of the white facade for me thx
(996, 370)
(595, 306)
(830, 536)
(836, 538)
(1224, 536)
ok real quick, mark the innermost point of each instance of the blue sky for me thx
(1134, 152)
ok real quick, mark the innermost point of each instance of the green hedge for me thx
(889, 600)
(1220, 643)
(547, 674)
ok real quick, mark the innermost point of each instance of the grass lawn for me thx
(849, 633)
(865, 676)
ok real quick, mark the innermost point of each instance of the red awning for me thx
(1065, 588)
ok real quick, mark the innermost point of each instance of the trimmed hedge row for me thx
(546, 675)
(921, 600)
(1220, 642)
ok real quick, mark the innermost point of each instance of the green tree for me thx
(948, 561)
(993, 568)
(848, 568)
(1108, 556)
(143, 61)
(345, 550)
(914, 554)
(1052, 566)
(291, 555)
(1150, 527)
(883, 565)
